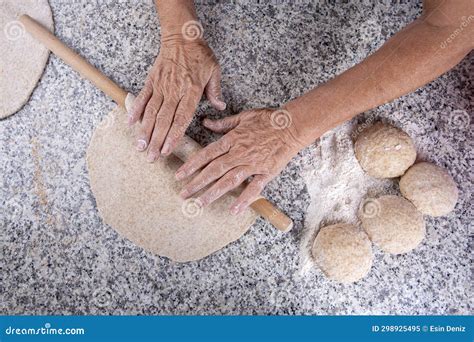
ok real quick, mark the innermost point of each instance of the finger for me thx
(249, 194)
(203, 157)
(164, 118)
(140, 102)
(228, 182)
(209, 174)
(145, 128)
(213, 90)
(182, 119)
(223, 125)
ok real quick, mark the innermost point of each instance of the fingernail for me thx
(207, 123)
(151, 157)
(234, 210)
(180, 175)
(222, 104)
(184, 193)
(141, 145)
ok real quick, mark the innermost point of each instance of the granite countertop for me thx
(57, 257)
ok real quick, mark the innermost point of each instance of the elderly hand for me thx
(183, 70)
(258, 143)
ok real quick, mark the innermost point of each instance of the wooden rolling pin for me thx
(188, 146)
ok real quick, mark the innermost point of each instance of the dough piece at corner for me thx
(23, 58)
(343, 252)
(430, 188)
(141, 200)
(392, 223)
(384, 151)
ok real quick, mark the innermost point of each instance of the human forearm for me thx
(174, 14)
(410, 59)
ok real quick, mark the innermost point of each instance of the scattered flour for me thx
(336, 185)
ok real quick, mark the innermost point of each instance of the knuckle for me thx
(226, 142)
(163, 119)
(195, 90)
(143, 131)
(234, 181)
(151, 110)
(180, 122)
(241, 175)
(141, 97)
(256, 186)
(228, 183)
(210, 150)
(172, 138)
(154, 144)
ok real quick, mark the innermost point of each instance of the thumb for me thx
(223, 125)
(213, 90)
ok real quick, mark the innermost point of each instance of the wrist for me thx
(301, 125)
(186, 32)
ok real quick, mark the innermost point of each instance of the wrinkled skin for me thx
(182, 72)
(252, 146)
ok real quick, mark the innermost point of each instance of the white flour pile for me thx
(336, 185)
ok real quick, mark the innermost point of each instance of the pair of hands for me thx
(257, 143)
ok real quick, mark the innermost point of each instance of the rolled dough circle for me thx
(430, 188)
(343, 252)
(392, 223)
(384, 151)
(23, 58)
(141, 200)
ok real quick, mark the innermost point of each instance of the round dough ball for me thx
(430, 188)
(23, 57)
(343, 252)
(384, 151)
(392, 223)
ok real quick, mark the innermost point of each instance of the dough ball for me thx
(384, 151)
(430, 188)
(343, 252)
(23, 58)
(392, 223)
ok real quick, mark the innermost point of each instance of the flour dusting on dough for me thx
(336, 185)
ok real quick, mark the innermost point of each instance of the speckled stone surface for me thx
(56, 255)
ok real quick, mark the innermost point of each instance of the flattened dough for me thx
(23, 58)
(140, 200)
